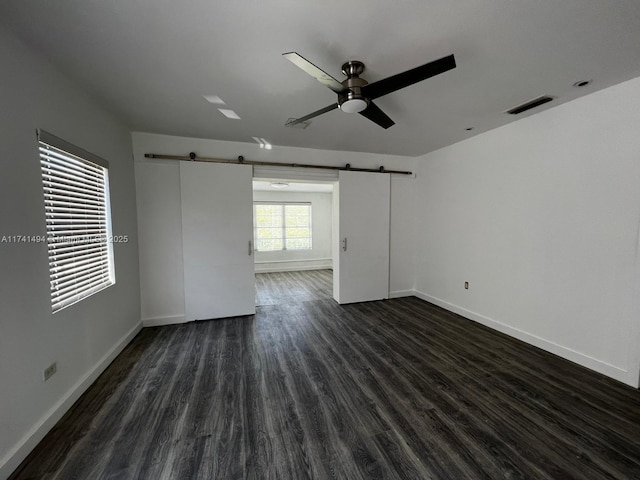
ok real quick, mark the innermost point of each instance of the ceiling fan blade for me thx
(317, 73)
(373, 113)
(312, 115)
(404, 79)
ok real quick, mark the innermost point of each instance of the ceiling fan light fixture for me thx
(354, 105)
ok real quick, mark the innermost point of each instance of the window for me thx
(76, 200)
(282, 226)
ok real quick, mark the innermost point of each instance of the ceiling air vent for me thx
(536, 102)
(302, 125)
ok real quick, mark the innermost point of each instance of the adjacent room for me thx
(292, 230)
(320, 240)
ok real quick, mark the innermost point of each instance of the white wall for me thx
(403, 236)
(542, 218)
(160, 239)
(289, 260)
(82, 338)
(158, 185)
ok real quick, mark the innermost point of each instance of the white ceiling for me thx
(151, 61)
(265, 186)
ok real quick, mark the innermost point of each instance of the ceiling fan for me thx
(356, 95)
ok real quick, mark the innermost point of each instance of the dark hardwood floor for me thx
(306, 388)
(292, 287)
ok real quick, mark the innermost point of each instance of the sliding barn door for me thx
(217, 231)
(361, 268)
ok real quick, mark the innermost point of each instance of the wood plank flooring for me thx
(398, 389)
(284, 288)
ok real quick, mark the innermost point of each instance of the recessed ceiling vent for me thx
(536, 102)
(291, 123)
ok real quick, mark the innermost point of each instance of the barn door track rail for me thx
(192, 157)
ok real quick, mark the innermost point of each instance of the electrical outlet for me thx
(466, 285)
(50, 371)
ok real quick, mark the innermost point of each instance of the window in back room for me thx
(282, 226)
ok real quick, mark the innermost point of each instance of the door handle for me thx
(250, 249)
(344, 244)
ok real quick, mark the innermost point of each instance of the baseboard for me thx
(599, 366)
(161, 321)
(17, 454)
(402, 293)
(293, 265)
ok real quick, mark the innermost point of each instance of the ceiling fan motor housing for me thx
(352, 100)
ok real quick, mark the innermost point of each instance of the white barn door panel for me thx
(361, 268)
(217, 231)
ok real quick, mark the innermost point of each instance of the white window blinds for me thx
(76, 198)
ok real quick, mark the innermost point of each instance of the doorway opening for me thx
(293, 238)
